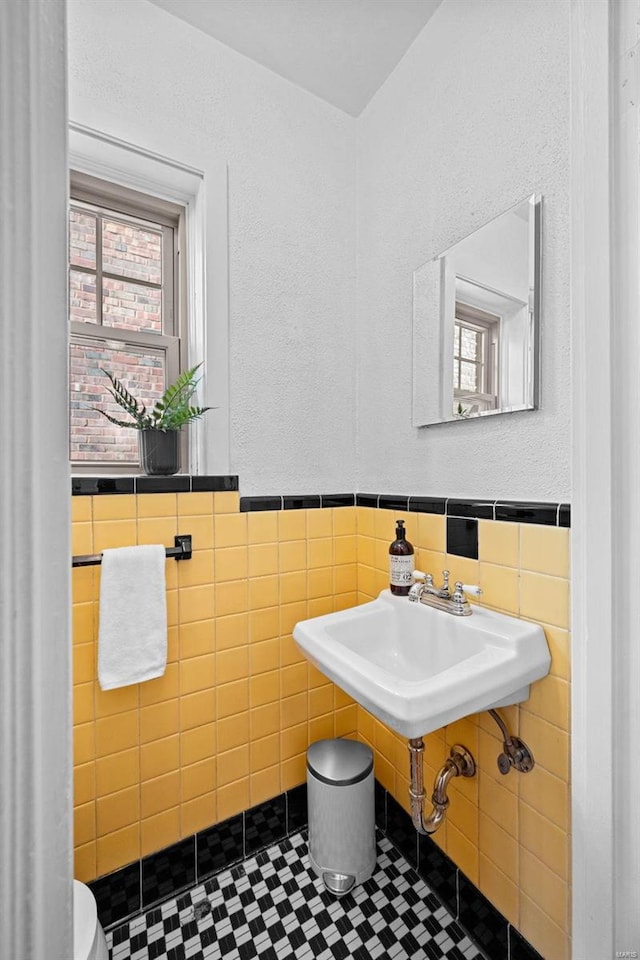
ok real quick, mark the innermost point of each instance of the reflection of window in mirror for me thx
(475, 360)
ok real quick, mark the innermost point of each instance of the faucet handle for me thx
(472, 589)
(415, 591)
(461, 588)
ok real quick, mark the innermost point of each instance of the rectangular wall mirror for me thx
(476, 322)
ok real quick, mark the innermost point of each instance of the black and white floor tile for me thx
(273, 907)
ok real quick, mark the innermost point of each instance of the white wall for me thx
(144, 76)
(473, 119)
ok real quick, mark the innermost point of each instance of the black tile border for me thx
(427, 505)
(163, 484)
(400, 830)
(121, 895)
(168, 871)
(484, 925)
(311, 502)
(118, 894)
(181, 483)
(471, 509)
(136, 887)
(535, 512)
(92, 486)
(514, 511)
(338, 499)
(367, 500)
(564, 515)
(462, 537)
(260, 503)
(387, 502)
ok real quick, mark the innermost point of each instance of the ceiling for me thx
(340, 50)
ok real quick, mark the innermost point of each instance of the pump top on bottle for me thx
(401, 562)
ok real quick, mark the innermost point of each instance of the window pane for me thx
(92, 436)
(130, 306)
(469, 376)
(82, 297)
(470, 344)
(456, 373)
(82, 239)
(131, 251)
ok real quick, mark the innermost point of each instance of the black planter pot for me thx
(159, 452)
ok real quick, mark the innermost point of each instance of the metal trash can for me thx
(342, 841)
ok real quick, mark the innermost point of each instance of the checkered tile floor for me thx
(274, 908)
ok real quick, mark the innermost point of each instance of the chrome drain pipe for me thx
(459, 763)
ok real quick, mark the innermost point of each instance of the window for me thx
(475, 356)
(124, 312)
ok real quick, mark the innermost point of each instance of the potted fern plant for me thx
(159, 427)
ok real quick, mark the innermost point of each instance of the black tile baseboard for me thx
(219, 846)
(483, 923)
(181, 483)
(118, 895)
(265, 824)
(401, 832)
(439, 872)
(475, 912)
(142, 884)
(160, 876)
(168, 872)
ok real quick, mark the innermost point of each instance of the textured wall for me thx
(144, 76)
(473, 119)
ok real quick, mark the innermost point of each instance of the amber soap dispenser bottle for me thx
(400, 563)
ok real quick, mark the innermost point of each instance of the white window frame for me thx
(105, 200)
(203, 193)
(474, 318)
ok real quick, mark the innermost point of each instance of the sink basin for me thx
(416, 668)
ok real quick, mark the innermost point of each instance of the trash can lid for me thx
(339, 762)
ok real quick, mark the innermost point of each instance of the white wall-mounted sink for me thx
(416, 668)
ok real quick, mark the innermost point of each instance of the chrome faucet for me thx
(424, 591)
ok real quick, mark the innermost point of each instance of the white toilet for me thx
(89, 941)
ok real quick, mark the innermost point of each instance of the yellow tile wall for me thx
(511, 835)
(229, 723)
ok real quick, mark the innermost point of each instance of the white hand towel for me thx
(132, 642)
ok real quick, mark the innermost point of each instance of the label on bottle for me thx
(401, 571)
